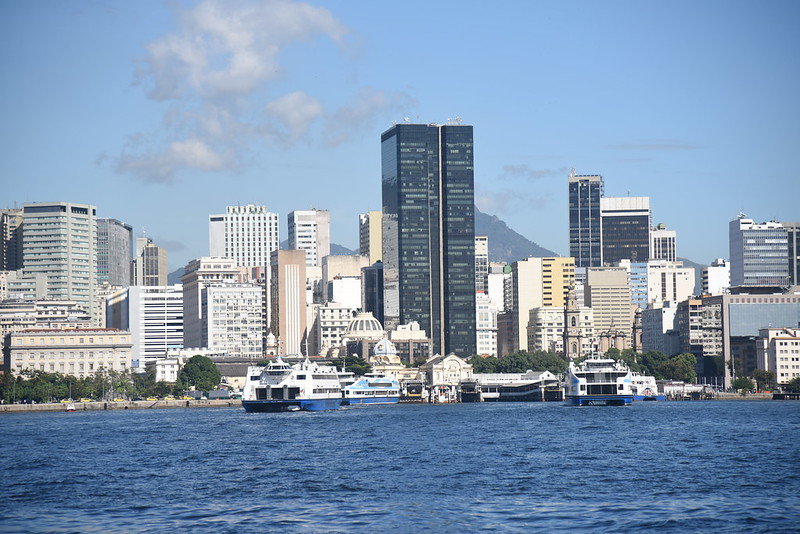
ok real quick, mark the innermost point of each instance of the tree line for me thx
(199, 373)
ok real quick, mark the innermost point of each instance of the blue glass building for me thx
(428, 232)
(585, 241)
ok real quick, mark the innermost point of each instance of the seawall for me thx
(123, 405)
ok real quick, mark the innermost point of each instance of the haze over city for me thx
(161, 113)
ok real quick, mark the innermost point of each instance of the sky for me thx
(161, 113)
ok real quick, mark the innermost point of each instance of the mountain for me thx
(504, 243)
(698, 274)
(339, 250)
(175, 276)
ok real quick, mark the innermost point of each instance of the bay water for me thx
(721, 466)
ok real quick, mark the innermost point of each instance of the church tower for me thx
(572, 326)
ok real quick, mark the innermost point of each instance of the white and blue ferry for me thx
(280, 387)
(372, 389)
(598, 382)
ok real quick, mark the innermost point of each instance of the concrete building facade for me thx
(759, 253)
(245, 234)
(310, 231)
(114, 252)
(75, 352)
(154, 317)
(59, 241)
(289, 302)
(370, 235)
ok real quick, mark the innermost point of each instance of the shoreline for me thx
(113, 405)
(230, 403)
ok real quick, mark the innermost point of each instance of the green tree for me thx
(680, 367)
(763, 378)
(794, 385)
(743, 383)
(353, 363)
(199, 372)
(650, 362)
(483, 365)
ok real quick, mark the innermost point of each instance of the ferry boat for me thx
(645, 388)
(470, 391)
(280, 387)
(598, 381)
(372, 389)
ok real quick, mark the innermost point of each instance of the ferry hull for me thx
(371, 400)
(310, 405)
(649, 397)
(598, 400)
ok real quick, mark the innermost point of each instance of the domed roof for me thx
(384, 347)
(364, 326)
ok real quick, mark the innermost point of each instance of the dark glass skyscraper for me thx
(585, 242)
(429, 233)
(625, 225)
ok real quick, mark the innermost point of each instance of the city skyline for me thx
(107, 105)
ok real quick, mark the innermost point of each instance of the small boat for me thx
(372, 389)
(645, 388)
(280, 387)
(70, 407)
(598, 382)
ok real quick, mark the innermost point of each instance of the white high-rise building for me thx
(246, 234)
(662, 243)
(59, 242)
(716, 277)
(233, 321)
(485, 325)
(759, 253)
(481, 263)
(331, 325)
(310, 230)
(669, 281)
(154, 317)
(199, 274)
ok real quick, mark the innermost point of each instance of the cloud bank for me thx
(216, 78)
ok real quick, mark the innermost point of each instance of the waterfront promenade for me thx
(118, 405)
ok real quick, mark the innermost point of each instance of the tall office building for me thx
(793, 236)
(428, 232)
(58, 242)
(481, 263)
(246, 234)
(759, 253)
(289, 308)
(149, 266)
(608, 293)
(11, 239)
(662, 243)
(369, 235)
(310, 231)
(625, 225)
(536, 283)
(113, 252)
(372, 290)
(199, 274)
(154, 317)
(585, 238)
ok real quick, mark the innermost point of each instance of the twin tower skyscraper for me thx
(428, 191)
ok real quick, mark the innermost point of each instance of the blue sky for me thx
(161, 113)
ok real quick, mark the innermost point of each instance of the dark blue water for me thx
(651, 467)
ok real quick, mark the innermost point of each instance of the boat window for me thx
(301, 377)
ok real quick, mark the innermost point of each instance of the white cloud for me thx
(216, 71)
(226, 48)
(361, 114)
(295, 111)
